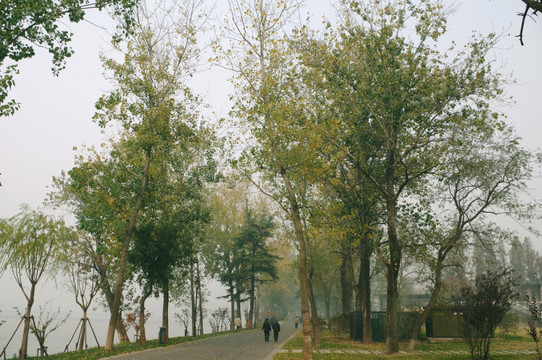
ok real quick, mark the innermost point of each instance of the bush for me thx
(509, 324)
(485, 304)
(340, 324)
(535, 322)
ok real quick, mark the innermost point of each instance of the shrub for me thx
(485, 304)
(509, 324)
(535, 322)
(340, 324)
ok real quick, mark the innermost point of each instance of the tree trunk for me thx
(232, 306)
(413, 342)
(314, 316)
(83, 337)
(314, 309)
(142, 332)
(23, 352)
(238, 300)
(365, 289)
(257, 303)
(200, 296)
(193, 299)
(165, 310)
(123, 256)
(346, 286)
(392, 331)
(394, 264)
(250, 319)
(300, 236)
(109, 297)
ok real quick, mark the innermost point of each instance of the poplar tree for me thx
(152, 103)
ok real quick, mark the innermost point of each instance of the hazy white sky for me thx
(55, 116)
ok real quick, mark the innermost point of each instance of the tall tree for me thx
(219, 250)
(483, 174)
(256, 259)
(406, 96)
(31, 242)
(94, 190)
(267, 105)
(26, 26)
(151, 101)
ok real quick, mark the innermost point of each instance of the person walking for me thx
(296, 321)
(266, 329)
(237, 323)
(276, 329)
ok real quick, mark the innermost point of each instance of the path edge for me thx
(279, 348)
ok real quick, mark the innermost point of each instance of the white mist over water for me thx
(51, 296)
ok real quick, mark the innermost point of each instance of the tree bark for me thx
(303, 274)
(101, 268)
(365, 289)
(251, 300)
(124, 252)
(23, 352)
(232, 306)
(346, 286)
(314, 309)
(165, 310)
(413, 342)
(142, 332)
(314, 316)
(193, 299)
(83, 337)
(200, 296)
(392, 274)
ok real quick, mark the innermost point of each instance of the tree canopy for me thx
(27, 25)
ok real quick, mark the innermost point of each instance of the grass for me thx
(332, 342)
(100, 353)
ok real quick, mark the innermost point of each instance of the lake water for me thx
(57, 341)
(53, 296)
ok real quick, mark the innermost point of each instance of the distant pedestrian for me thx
(276, 329)
(237, 323)
(296, 321)
(266, 329)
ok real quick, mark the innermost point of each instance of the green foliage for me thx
(39, 23)
(535, 322)
(509, 324)
(31, 242)
(255, 258)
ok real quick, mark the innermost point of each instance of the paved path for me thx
(245, 345)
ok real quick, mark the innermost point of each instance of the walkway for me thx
(245, 345)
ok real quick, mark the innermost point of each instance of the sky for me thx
(38, 142)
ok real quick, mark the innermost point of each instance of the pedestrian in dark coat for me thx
(266, 329)
(276, 329)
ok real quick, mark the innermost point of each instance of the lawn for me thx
(435, 350)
